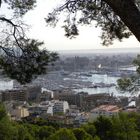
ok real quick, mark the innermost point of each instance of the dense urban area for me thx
(79, 93)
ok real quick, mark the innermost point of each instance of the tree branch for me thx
(129, 14)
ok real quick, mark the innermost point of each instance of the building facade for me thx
(104, 110)
(60, 107)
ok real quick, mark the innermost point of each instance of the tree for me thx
(62, 134)
(45, 132)
(20, 57)
(80, 134)
(124, 83)
(103, 126)
(90, 129)
(96, 138)
(131, 83)
(124, 128)
(7, 130)
(117, 18)
(29, 130)
(136, 62)
(3, 113)
(23, 133)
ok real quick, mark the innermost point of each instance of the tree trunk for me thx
(129, 14)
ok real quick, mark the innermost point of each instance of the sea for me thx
(107, 79)
(95, 79)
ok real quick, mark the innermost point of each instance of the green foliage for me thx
(3, 113)
(62, 134)
(8, 130)
(80, 134)
(132, 83)
(96, 10)
(20, 7)
(45, 132)
(23, 133)
(124, 128)
(104, 127)
(136, 119)
(96, 138)
(124, 83)
(20, 57)
(121, 127)
(90, 129)
(43, 122)
(137, 63)
(31, 62)
(33, 130)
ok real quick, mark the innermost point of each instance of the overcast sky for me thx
(54, 37)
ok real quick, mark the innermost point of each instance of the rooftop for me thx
(107, 108)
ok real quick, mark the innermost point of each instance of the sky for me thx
(54, 37)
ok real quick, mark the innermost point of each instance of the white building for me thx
(104, 110)
(6, 85)
(44, 90)
(50, 108)
(60, 107)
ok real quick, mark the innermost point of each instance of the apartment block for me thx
(60, 107)
(104, 110)
(16, 95)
